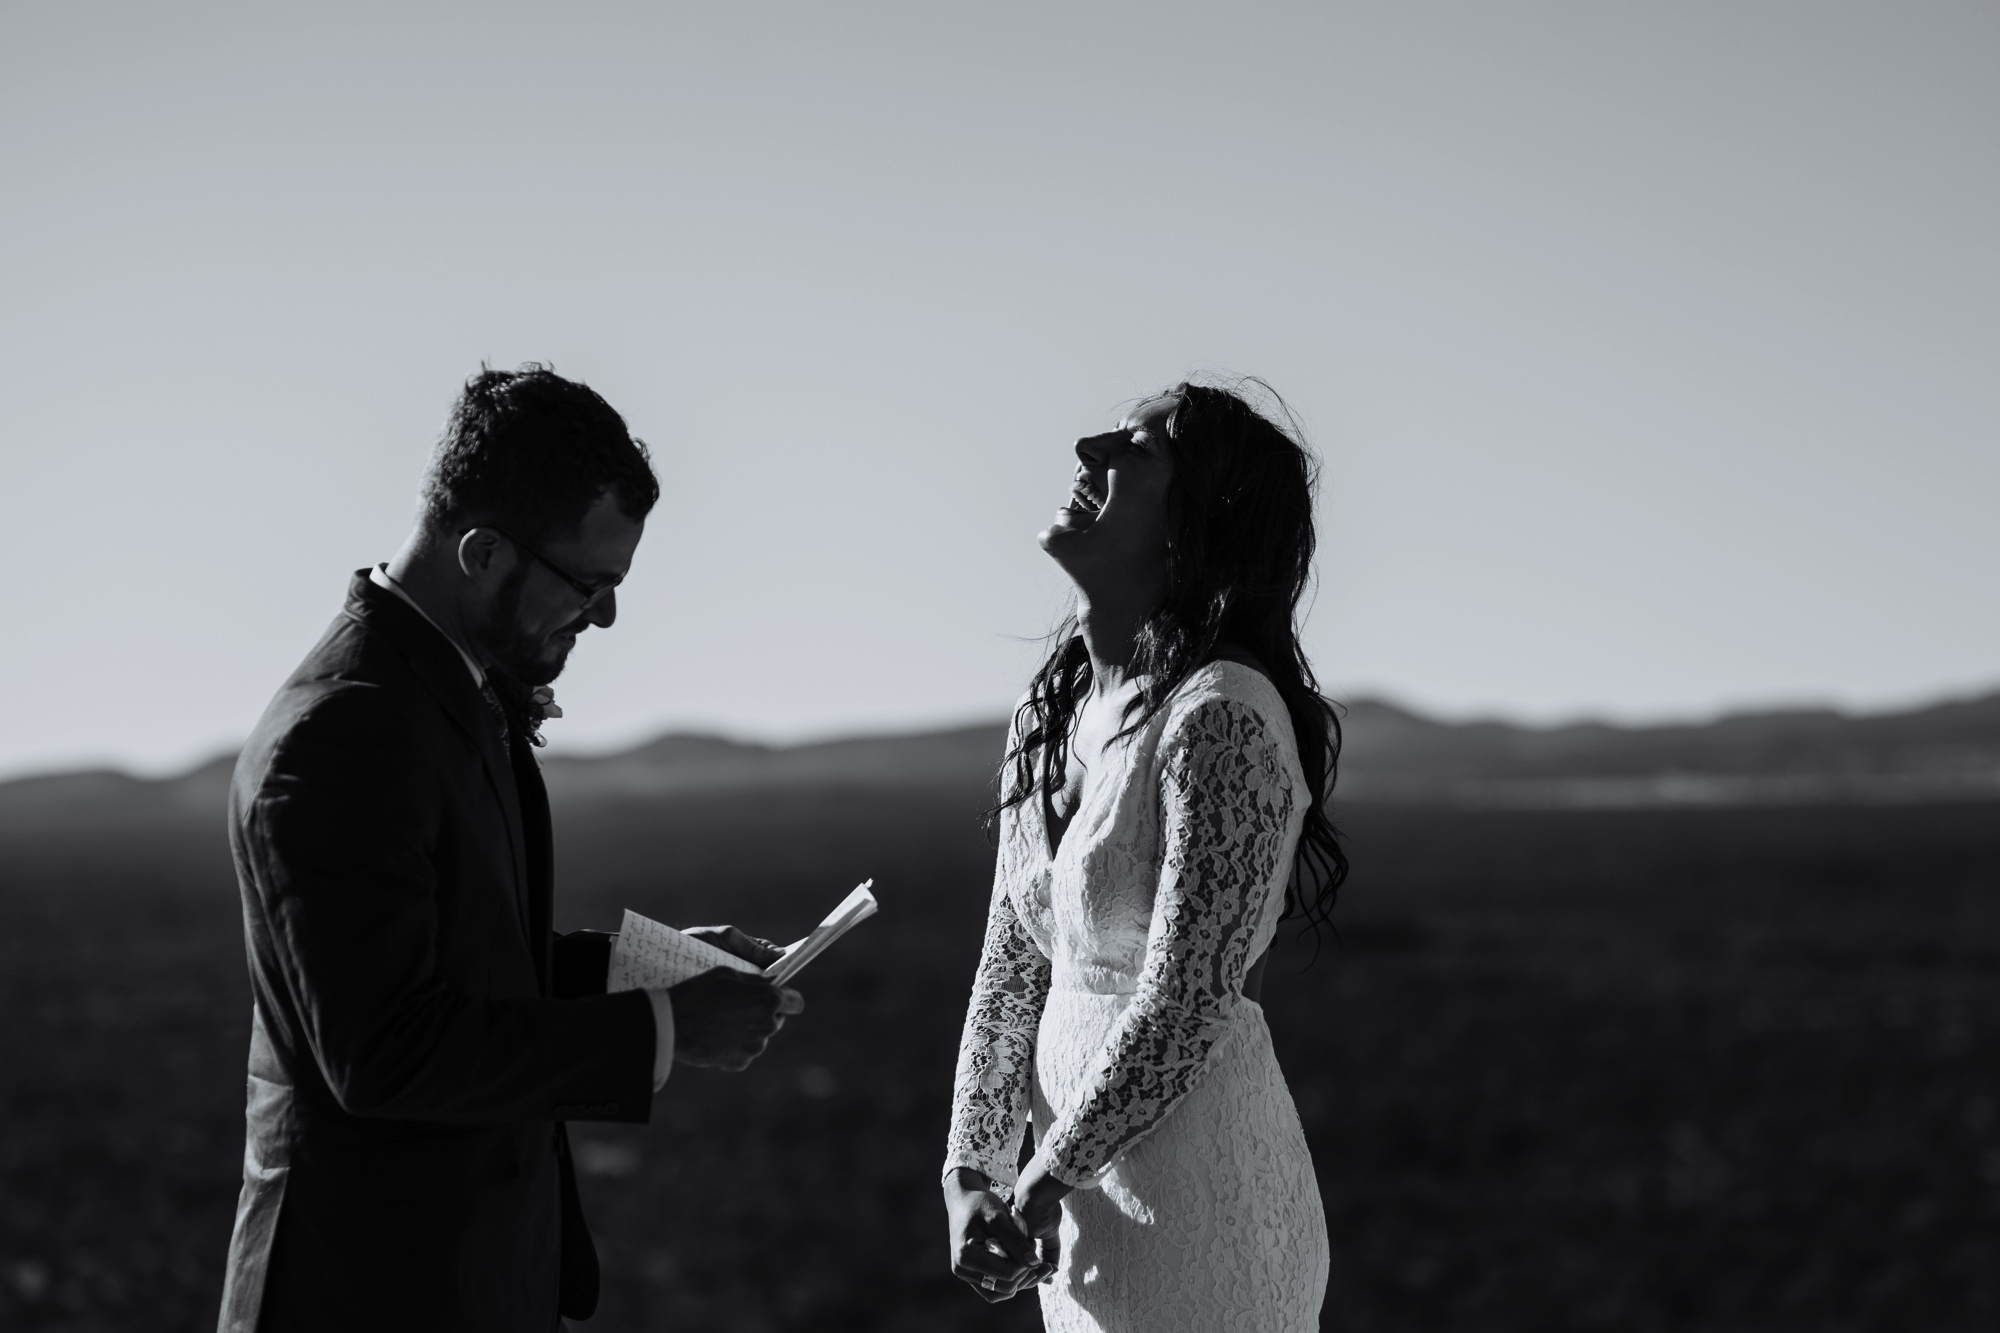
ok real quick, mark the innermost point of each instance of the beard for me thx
(519, 658)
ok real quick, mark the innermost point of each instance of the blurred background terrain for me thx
(1627, 1028)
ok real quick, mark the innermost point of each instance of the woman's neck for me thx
(1110, 629)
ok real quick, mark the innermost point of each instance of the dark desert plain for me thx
(1672, 1028)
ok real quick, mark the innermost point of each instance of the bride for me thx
(1163, 807)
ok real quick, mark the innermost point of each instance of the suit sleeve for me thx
(582, 963)
(337, 833)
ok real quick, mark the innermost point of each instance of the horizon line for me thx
(805, 738)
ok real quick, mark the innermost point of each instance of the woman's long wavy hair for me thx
(1238, 563)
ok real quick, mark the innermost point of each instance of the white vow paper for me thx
(651, 955)
(855, 908)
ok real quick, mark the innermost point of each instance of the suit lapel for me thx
(540, 843)
(442, 672)
(500, 776)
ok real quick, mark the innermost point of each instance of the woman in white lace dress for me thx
(1162, 808)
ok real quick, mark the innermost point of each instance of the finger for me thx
(1005, 1232)
(1000, 1281)
(978, 1259)
(790, 1001)
(753, 949)
(745, 1055)
(729, 939)
(747, 946)
(991, 1287)
(992, 1295)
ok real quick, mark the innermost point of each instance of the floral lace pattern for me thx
(996, 1057)
(1109, 999)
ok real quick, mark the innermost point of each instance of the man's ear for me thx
(478, 552)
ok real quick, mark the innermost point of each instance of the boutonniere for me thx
(541, 707)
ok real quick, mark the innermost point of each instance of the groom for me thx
(419, 1032)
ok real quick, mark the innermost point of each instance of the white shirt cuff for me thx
(663, 1036)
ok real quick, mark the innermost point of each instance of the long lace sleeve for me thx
(1226, 802)
(996, 1053)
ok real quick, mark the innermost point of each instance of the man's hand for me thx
(989, 1251)
(733, 941)
(724, 1018)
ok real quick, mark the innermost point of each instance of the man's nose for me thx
(604, 610)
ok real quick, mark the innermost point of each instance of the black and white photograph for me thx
(930, 668)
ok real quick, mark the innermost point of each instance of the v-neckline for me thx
(1053, 837)
(1052, 833)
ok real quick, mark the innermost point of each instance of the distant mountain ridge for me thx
(1944, 752)
(679, 763)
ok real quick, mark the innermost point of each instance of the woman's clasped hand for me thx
(992, 1248)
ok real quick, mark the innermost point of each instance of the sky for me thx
(1650, 348)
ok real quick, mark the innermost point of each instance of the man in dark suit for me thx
(420, 1033)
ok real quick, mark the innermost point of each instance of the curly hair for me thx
(530, 451)
(1238, 563)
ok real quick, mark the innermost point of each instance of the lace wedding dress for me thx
(1109, 997)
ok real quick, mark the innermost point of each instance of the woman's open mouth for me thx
(1084, 499)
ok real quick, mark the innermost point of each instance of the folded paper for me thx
(658, 957)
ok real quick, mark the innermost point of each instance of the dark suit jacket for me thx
(419, 1032)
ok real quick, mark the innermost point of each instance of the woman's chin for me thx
(1056, 539)
(1069, 524)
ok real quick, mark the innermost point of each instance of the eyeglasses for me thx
(591, 594)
